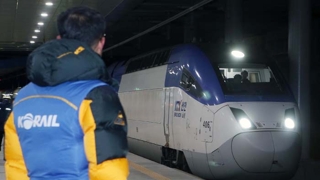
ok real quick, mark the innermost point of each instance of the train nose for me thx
(267, 152)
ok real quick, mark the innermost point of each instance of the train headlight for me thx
(242, 119)
(289, 123)
(245, 123)
(289, 120)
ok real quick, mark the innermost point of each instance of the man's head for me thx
(83, 24)
(244, 74)
(237, 78)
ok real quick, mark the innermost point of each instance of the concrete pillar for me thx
(314, 90)
(233, 21)
(299, 55)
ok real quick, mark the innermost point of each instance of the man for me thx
(244, 75)
(237, 78)
(5, 109)
(68, 124)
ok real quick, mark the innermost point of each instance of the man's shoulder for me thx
(102, 92)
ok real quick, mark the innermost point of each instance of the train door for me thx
(168, 111)
(177, 110)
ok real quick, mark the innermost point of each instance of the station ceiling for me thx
(19, 19)
(125, 18)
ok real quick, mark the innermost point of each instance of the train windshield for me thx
(250, 79)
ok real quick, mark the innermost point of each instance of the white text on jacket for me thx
(29, 121)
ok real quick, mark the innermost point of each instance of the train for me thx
(187, 109)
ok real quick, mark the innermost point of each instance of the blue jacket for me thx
(66, 124)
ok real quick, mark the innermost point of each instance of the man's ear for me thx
(100, 45)
(58, 37)
(101, 42)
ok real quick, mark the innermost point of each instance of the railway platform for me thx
(144, 169)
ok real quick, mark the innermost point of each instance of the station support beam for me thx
(190, 28)
(233, 21)
(299, 55)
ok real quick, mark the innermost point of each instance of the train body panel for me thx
(183, 108)
(150, 100)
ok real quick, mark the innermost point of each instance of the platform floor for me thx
(140, 169)
(144, 169)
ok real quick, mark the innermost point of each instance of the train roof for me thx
(216, 52)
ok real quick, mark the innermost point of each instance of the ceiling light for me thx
(32, 42)
(44, 14)
(49, 3)
(237, 54)
(34, 37)
(37, 30)
(40, 23)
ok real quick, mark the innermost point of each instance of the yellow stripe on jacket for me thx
(116, 169)
(15, 168)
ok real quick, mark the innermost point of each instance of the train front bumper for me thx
(269, 154)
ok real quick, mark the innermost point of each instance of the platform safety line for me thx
(147, 172)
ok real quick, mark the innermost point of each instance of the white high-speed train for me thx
(186, 109)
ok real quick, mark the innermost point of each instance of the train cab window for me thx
(188, 83)
(255, 79)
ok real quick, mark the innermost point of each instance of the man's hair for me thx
(244, 73)
(81, 23)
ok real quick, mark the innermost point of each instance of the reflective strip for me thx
(48, 96)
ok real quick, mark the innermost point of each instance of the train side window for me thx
(149, 61)
(188, 83)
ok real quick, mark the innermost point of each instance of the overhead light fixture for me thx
(44, 14)
(34, 37)
(32, 42)
(40, 23)
(37, 30)
(49, 3)
(237, 54)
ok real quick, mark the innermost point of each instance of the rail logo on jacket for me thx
(29, 121)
